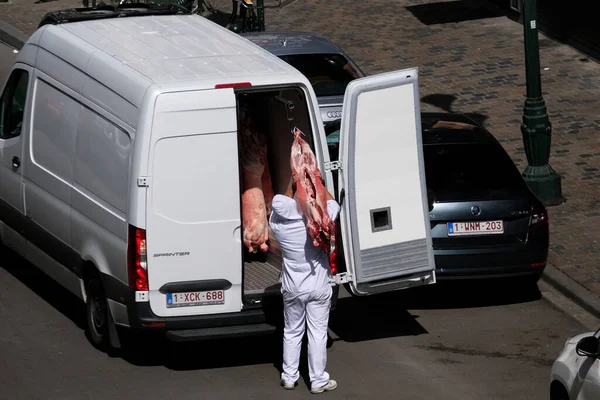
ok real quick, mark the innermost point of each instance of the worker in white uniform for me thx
(306, 290)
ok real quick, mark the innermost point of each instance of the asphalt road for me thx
(449, 342)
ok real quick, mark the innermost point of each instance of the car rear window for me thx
(329, 74)
(471, 171)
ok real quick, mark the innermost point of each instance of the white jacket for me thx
(305, 267)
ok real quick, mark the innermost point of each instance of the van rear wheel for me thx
(96, 314)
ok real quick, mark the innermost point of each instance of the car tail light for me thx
(137, 263)
(333, 251)
(538, 264)
(539, 217)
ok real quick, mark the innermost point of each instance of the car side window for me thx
(12, 104)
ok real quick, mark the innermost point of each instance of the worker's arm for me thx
(329, 196)
(291, 189)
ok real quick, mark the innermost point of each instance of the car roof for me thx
(288, 43)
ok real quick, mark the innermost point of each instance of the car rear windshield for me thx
(329, 74)
(458, 172)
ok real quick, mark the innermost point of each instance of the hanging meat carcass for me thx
(256, 200)
(267, 186)
(311, 195)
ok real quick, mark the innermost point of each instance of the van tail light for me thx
(333, 251)
(539, 218)
(137, 263)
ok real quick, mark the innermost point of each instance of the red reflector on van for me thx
(232, 85)
(155, 324)
(333, 251)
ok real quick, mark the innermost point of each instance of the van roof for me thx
(162, 50)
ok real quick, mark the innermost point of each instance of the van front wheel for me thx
(96, 314)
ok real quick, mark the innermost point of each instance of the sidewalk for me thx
(470, 57)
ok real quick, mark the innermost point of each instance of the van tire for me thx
(96, 314)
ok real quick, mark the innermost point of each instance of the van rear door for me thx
(384, 218)
(193, 205)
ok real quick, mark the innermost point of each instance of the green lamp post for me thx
(260, 11)
(536, 127)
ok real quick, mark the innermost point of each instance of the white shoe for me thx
(328, 387)
(288, 386)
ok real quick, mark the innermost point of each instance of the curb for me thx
(567, 306)
(572, 290)
(12, 36)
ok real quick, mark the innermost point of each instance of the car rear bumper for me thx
(527, 261)
(490, 273)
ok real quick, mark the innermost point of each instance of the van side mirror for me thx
(588, 347)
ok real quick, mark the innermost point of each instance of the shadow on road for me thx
(455, 11)
(355, 319)
(223, 353)
(469, 294)
(386, 315)
(445, 102)
(43, 286)
(358, 319)
(220, 18)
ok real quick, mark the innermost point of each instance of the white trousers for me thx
(310, 309)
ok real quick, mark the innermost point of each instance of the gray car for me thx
(485, 221)
(325, 65)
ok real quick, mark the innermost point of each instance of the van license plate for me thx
(212, 297)
(475, 228)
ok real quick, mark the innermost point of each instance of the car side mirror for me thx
(588, 347)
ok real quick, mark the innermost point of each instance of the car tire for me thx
(530, 282)
(558, 391)
(96, 314)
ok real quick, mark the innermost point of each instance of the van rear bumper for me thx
(253, 320)
(141, 318)
(221, 332)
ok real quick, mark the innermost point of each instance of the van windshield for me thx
(329, 74)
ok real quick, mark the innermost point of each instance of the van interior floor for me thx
(261, 274)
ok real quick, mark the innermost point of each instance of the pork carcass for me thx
(311, 195)
(267, 186)
(253, 156)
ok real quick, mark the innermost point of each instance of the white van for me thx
(120, 176)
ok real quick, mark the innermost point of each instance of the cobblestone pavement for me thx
(470, 57)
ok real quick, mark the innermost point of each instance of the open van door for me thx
(382, 187)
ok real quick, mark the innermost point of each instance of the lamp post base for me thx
(545, 183)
